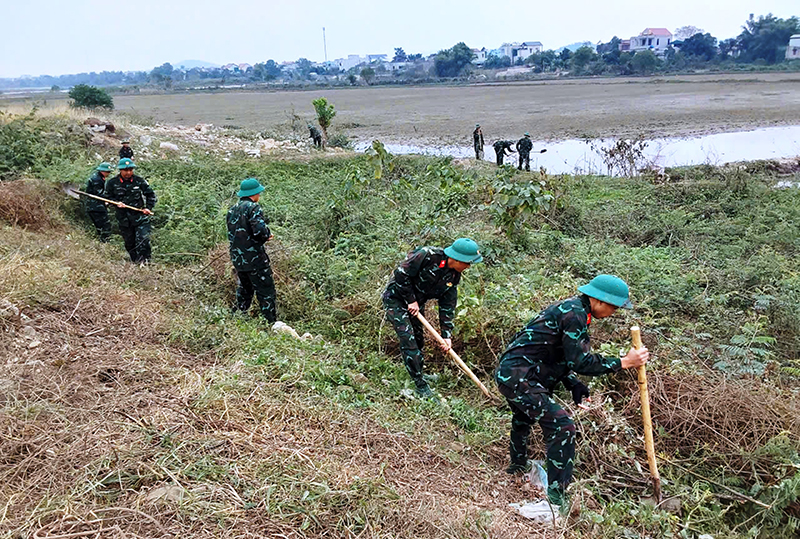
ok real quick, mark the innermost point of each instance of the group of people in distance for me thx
(504, 148)
(551, 349)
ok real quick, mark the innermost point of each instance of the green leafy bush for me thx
(90, 97)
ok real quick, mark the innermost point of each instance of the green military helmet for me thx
(464, 250)
(126, 141)
(104, 167)
(126, 162)
(249, 187)
(609, 289)
(528, 135)
(477, 125)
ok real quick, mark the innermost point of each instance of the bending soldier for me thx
(95, 209)
(524, 147)
(500, 149)
(132, 190)
(247, 234)
(477, 142)
(550, 349)
(315, 135)
(427, 273)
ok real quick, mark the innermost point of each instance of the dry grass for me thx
(30, 204)
(110, 429)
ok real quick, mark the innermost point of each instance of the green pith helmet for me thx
(104, 167)
(249, 187)
(125, 162)
(528, 135)
(464, 250)
(609, 289)
(126, 141)
(477, 125)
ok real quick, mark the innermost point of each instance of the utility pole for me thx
(324, 44)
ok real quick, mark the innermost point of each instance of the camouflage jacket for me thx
(477, 138)
(313, 132)
(126, 151)
(552, 345)
(247, 234)
(134, 192)
(524, 145)
(502, 145)
(95, 186)
(424, 275)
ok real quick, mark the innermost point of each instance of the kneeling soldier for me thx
(427, 273)
(550, 349)
(247, 234)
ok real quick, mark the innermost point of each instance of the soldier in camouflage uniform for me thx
(551, 349)
(126, 151)
(524, 147)
(132, 190)
(247, 234)
(477, 142)
(95, 209)
(315, 135)
(426, 273)
(500, 149)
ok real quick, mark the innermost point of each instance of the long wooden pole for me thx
(636, 341)
(455, 357)
(118, 204)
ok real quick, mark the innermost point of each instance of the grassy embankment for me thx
(148, 407)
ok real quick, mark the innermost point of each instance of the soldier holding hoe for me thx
(524, 147)
(477, 142)
(551, 349)
(500, 149)
(96, 209)
(247, 234)
(132, 190)
(427, 273)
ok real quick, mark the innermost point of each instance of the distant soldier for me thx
(126, 152)
(95, 209)
(315, 135)
(477, 142)
(247, 234)
(524, 147)
(550, 350)
(500, 149)
(426, 273)
(132, 190)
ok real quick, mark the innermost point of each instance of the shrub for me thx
(90, 97)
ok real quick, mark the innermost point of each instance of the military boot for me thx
(519, 468)
(423, 389)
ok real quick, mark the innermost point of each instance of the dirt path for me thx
(549, 110)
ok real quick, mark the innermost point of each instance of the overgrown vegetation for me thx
(313, 439)
(90, 97)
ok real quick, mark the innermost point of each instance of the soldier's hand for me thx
(635, 358)
(270, 237)
(413, 308)
(448, 344)
(147, 212)
(120, 205)
(580, 392)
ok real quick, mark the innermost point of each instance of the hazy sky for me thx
(58, 37)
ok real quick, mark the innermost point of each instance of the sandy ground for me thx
(549, 110)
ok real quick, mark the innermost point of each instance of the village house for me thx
(793, 50)
(479, 55)
(652, 39)
(519, 50)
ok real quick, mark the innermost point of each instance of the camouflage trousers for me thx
(101, 223)
(479, 153)
(411, 335)
(137, 239)
(531, 403)
(524, 158)
(500, 157)
(260, 283)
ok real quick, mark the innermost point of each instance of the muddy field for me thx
(653, 107)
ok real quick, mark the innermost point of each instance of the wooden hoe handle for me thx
(636, 341)
(108, 201)
(455, 357)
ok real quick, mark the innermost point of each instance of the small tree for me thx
(55, 88)
(368, 74)
(90, 97)
(325, 114)
(644, 62)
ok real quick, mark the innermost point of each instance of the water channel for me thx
(582, 156)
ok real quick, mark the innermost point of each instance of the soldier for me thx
(126, 151)
(524, 147)
(247, 234)
(132, 190)
(426, 273)
(477, 142)
(500, 149)
(550, 349)
(94, 208)
(315, 135)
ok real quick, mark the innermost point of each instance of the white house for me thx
(652, 39)
(352, 60)
(793, 50)
(480, 55)
(520, 50)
